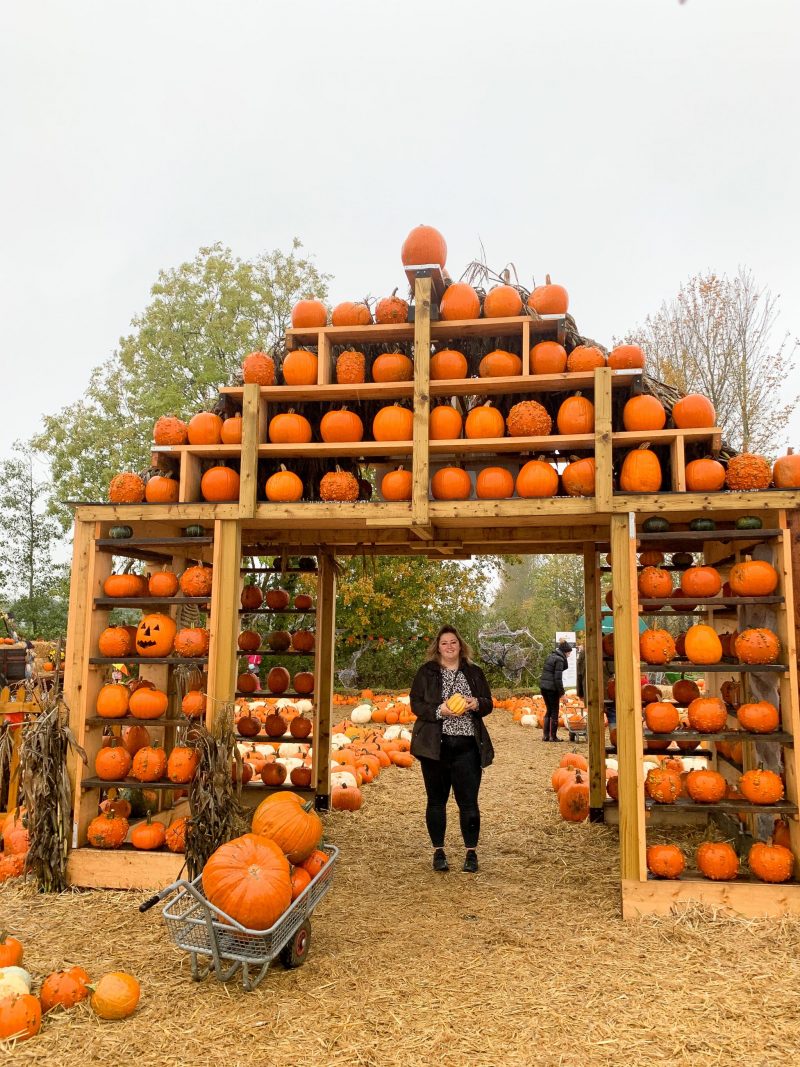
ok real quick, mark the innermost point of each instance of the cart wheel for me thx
(572, 737)
(296, 952)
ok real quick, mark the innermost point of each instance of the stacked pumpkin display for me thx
(718, 861)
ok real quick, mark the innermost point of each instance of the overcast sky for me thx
(620, 145)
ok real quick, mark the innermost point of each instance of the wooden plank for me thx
(122, 868)
(331, 393)
(320, 449)
(90, 585)
(593, 695)
(224, 620)
(422, 360)
(189, 491)
(677, 455)
(749, 899)
(604, 484)
(687, 505)
(545, 327)
(218, 451)
(787, 552)
(630, 438)
(185, 514)
(248, 485)
(324, 359)
(628, 698)
(76, 651)
(557, 442)
(533, 383)
(526, 347)
(323, 677)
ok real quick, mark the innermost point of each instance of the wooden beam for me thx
(422, 354)
(687, 505)
(787, 563)
(224, 619)
(748, 899)
(77, 652)
(323, 676)
(248, 485)
(593, 695)
(628, 697)
(604, 485)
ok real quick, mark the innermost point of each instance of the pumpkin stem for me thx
(547, 280)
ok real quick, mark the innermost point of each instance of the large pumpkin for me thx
(529, 418)
(748, 471)
(576, 415)
(484, 421)
(392, 367)
(644, 412)
(300, 367)
(155, 635)
(460, 301)
(446, 423)
(296, 831)
(451, 483)
(656, 646)
(578, 477)
(757, 645)
(707, 715)
(753, 577)
(393, 423)
(641, 472)
(548, 357)
(219, 485)
(786, 471)
(693, 411)
(448, 363)
(704, 475)
(549, 299)
(249, 880)
(494, 483)
(501, 302)
(703, 644)
(499, 364)
(700, 582)
(424, 246)
(537, 478)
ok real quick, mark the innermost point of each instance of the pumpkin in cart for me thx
(249, 880)
(295, 828)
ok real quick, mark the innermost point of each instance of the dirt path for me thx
(525, 963)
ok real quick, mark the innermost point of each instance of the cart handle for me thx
(163, 894)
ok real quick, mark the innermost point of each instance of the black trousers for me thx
(551, 702)
(459, 768)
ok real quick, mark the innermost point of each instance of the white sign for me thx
(570, 675)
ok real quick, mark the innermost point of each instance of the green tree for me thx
(717, 337)
(33, 587)
(389, 608)
(204, 316)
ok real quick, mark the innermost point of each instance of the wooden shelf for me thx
(729, 807)
(130, 783)
(106, 543)
(293, 394)
(354, 449)
(275, 611)
(779, 736)
(266, 695)
(520, 383)
(104, 660)
(284, 739)
(219, 451)
(271, 652)
(628, 438)
(146, 601)
(684, 667)
(133, 720)
(562, 443)
(680, 536)
(611, 750)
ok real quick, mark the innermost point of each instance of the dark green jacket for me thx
(426, 696)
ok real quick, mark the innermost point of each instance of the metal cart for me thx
(226, 947)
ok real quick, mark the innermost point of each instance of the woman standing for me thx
(552, 687)
(452, 746)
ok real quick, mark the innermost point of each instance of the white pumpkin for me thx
(339, 741)
(343, 778)
(391, 733)
(305, 707)
(529, 720)
(254, 705)
(291, 750)
(289, 763)
(612, 765)
(14, 981)
(405, 733)
(283, 702)
(404, 700)
(361, 713)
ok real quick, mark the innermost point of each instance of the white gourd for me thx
(391, 733)
(14, 980)
(339, 741)
(404, 700)
(528, 720)
(361, 714)
(290, 750)
(304, 706)
(343, 778)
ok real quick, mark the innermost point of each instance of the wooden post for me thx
(77, 651)
(323, 677)
(248, 486)
(604, 485)
(627, 676)
(787, 563)
(422, 353)
(677, 455)
(224, 620)
(593, 660)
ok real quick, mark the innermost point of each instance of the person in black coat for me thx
(452, 748)
(552, 688)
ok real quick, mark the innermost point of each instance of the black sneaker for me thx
(440, 860)
(558, 739)
(471, 862)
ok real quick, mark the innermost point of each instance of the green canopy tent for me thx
(608, 624)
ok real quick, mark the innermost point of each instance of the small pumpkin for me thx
(759, 717)
(391, 309)
(392, 367)
(148, 835)
(284, 487)
(707, 715)
(770, 862)
(494, 483)
(761, 786)
(537, 478)
(155, 635)
(717, 860)
(397, 484)
(549, 299)
(309, 314)
(257, 368)
(115, 996)
(665, 861)
(644, 413)
(499, 364)
(641, 471)
(705, 475)
(786, 471)
(693, 411)
(578, 477)
(350, 367)
(451, 483)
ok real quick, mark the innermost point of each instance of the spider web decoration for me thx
(513, 651)
(348, 676)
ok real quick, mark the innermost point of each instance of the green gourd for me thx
(119, 533)
(655, 524)
(702, 524)
(194, 531)
(749, 522)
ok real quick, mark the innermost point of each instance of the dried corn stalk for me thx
(46, 794)
(216, 813)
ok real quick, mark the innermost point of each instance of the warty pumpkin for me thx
(770, 862)
(170, 430)
(665, 861)
(748, 471)
(339, 485)
(707, 715)
(126, 488)
(761, 786)
(257, 369)
(529, 418)
(350, 367)
(759, 717)
(757, 645)
(753, 577)
(391, 309)
(717, 860)
(705, 786)
(585, 358)
(654, 582)
(656, 646)
(626, 357)
(197, 581)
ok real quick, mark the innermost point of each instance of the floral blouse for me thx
(453, 681)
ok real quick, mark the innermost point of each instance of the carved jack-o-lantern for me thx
(154, 635)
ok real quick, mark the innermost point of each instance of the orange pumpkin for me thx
(644, 412)
(693, 411)
(499, 364)
(460, 301)
(626, 357)
(585, 358)
(391, 309)
(448, 363)
(257, 369)
(309, 314)
(423, 247)
(451, 483)
(351, 313)
(753, 577)
(249, 879)
(704, 475)
(502, 302)
(300, 367)
(445, 423)
(548, 357)
(155, 635)
(341, 425)
(393, 423)
(549, 299)
(700, 582)
(231, 430)
(494, 483)
(392, 367)
(284, 486)
(219, 485)
(757, 645)
(484, 421)
(786, 471)
(205, 429)
(641, 472)
(576, 415)
(703, 644)
(578, 477)
(397, 484)
(537, 478)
